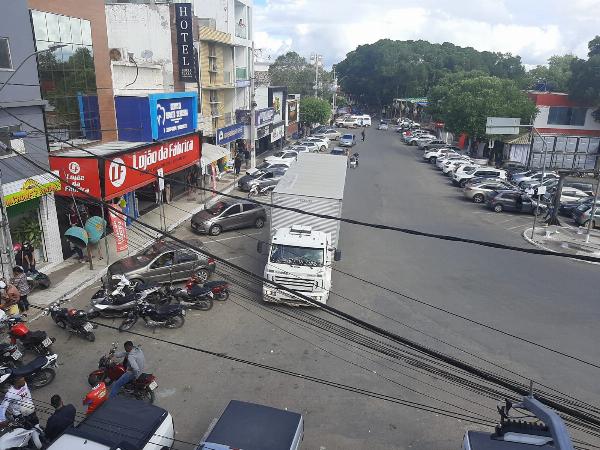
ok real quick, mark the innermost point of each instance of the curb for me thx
(543, 247)
(98, 275)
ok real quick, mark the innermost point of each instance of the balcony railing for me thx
(241, 31)
(241, 73)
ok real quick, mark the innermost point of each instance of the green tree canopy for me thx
(584, 85)
(376, 73)
(555, 77)
(465, 101)
(314, 110)
(295, 72)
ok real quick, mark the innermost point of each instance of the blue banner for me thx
(230, 133)
(173, 114)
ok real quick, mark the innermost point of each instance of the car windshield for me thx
(347, 136)
(298, 256)
(217, 208)
(278, 154)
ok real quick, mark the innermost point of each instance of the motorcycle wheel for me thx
(175, 322)
(127, 324)
(61, 323)
(203, 305)
(91, 337)
(41, 379)
(146, 395)
(222, 296)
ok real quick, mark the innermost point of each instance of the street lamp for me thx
(49, 49)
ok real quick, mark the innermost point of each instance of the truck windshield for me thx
(300, 256)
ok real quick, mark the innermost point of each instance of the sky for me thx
(533, 29)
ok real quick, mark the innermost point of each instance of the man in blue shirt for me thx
(63, 418)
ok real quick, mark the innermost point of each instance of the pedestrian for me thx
(19, 280)
(247, 156)
(133, 361)
(28, 257)
(62, 418)
(9, 298)
(237, 163)
(18, 403)
(362, 133)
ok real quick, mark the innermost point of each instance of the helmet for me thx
(71, 312)
(17, 247)
(27, 245)
(2, 315)
(2, 285)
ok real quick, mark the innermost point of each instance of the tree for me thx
(554, 77)
(464, 104)
(314, 110)
(294, 71)
(584, 85)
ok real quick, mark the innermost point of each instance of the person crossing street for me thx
(362, 133)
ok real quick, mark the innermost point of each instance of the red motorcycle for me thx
(110, 370)
(37, 341)
(219, 288)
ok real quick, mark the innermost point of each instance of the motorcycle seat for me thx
(122, 299)
(144, 378)
(30, 367)
(197, 291)
(215, 283)
(34, 336)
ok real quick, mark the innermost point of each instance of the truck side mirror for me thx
(259, 247)
(337, 255)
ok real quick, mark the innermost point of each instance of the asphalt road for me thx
(544, 299)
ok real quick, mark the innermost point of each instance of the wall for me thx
(94, 12)
(142, 29)
(215, 9)
(590, 127)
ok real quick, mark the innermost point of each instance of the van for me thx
(364, 120)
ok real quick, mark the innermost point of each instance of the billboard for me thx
(292, 107)
(185, 42)
(79, 173)
(230, 133)
(121, 176)
(173, 114)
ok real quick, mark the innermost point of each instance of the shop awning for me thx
(212, 153)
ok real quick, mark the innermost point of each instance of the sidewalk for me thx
(565, 240)
(71, 277)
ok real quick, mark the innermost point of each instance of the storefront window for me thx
(67, 76)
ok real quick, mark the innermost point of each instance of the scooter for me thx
(73, 320)
(37, 279)
(256, 190)
(122, 299)
(219, 288)
(37, 341)
(196, 297)
(10, 355)
(37, 373)
(354, 161)
(21, 434)
(109, 370)
(169, 316)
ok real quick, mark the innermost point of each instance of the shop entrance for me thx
(24, 224)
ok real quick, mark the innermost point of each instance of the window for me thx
(562, 115)
(163, 260)
(268, 175)
(235, 209)
(5, 61)
(183, 257)
(249, 206)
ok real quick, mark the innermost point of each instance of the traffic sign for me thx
(502, 125)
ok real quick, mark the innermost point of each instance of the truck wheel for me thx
(259, 223)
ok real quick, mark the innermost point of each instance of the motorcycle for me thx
(256, 190)
(10, 355)
(219, 288)
(109, 370)
(37, 373)
(19, 433)
(354, 161)
(37, 341)
(197, 297)
(73, 320)
(37, 279)
(169, 316)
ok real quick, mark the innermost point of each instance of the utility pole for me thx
(317, 60)
(334, 91)
(592, 211)
(252, 113)
(6, 251)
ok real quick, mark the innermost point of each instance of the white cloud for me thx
(336, 27)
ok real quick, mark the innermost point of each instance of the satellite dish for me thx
(115, 54)
(147, 54)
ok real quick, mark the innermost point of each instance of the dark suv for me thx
(513, 201)
(229, 215)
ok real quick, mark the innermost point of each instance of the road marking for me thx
(236, 257)
(518, 226)
(232, 237)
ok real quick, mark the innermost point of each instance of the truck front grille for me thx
(296, 284)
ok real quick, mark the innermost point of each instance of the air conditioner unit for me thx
(118, 54)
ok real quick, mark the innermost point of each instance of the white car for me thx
(433, 155)
(282, 155)
(454, 164)
(485, 172)
(383, 126)
(329, 133)
(421, 138)
(319, 141)
(537, 177)
(444, 159)
(300, 148)
(312, 146)
(461, 169)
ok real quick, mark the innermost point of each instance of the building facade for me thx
(28, 191)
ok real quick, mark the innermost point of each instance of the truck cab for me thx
(250, 426)
(300, 259)
(120, 423)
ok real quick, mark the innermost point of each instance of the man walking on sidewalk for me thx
(362, 133)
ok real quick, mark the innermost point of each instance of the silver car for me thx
(163, 263)
(229, 215)
(347, 140)
(479, 191)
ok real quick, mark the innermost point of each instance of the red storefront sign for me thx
(117, 222)
(77, 173)
(125, 173)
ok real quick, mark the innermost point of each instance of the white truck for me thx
(250, 426)
(303, 247)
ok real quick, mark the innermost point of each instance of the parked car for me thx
(311, 146)
(452, 165)
(323, 143)
(513, 200)
(301, 148)
(382, 126)
(436, 143)
(245, 184)
(568, 208)
(449, 157)
(350, 123)
(568, 194)
(229, 215)
(347, 140)
(487, 172)
(329, 133)
(521, 174)
(535, 177)
(433, 154)
(162, 264)
(284, 165)
(478, 192)
(420, 139)
(282, 155)
(339, 151)
(583, 212)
